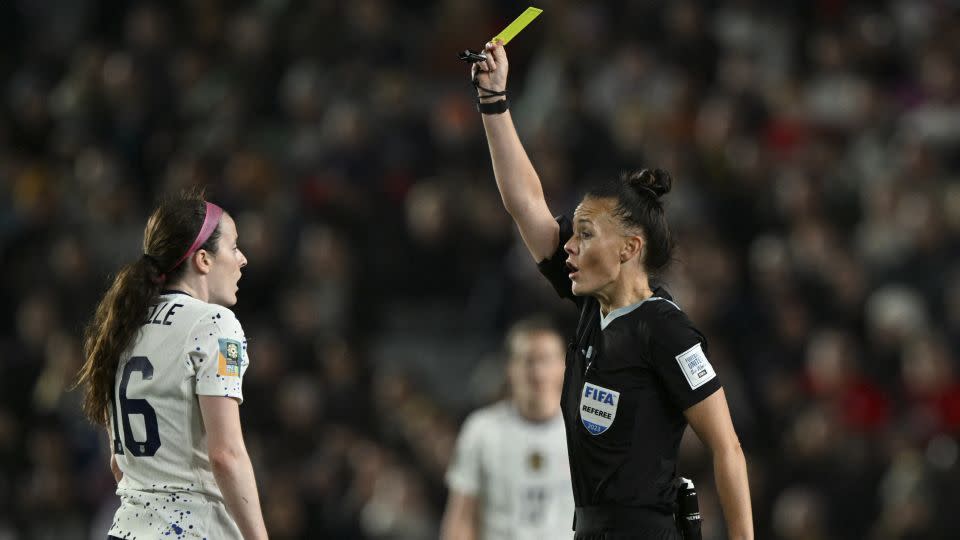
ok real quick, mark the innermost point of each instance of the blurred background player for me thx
(165, 359)
(509, 476)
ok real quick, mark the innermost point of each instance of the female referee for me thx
(637, 372)
(165, 359)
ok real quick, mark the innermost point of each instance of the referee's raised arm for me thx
(517, 181)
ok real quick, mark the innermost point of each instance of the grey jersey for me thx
(519, 473)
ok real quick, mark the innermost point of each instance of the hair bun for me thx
(656, 181)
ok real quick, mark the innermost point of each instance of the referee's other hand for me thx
(492, 72)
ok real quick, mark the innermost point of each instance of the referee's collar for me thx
(621, 311)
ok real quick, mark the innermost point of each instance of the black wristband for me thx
(497, 107)
(489, 92)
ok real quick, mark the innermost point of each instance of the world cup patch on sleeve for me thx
(598, 407)
(228, 363)
(695, 367)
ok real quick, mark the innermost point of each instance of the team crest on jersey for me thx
(535, 461)
(229, 361)
(598, 407)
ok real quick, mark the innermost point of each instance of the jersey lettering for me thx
(598, 408)
(161, 313)
(602, 396)
(590, 410)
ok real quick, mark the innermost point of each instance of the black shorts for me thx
(645, 534)
(623, 523)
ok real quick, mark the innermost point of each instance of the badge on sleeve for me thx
(598, 408)
(695, 367)
(229, 358)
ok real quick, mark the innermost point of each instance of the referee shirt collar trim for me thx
(619, 312)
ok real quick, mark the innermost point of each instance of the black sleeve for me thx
(554, 267)
(678, 352)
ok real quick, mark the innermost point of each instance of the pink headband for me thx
(210, 221)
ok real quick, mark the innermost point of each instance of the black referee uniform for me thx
(629, 377)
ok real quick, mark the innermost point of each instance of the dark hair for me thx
(638, 196)
(169, 233)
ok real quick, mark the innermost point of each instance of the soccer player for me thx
(509, 477)
(164, 363)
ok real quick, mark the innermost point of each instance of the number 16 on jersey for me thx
(130, 407)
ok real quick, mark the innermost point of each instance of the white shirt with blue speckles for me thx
(187, 347)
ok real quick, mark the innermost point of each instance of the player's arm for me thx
(517, 181)
(460, 517)
(231, 464)
(114, 466)
(115, 469)
(710, 419)
(463, 478)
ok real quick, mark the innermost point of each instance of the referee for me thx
(637, 371)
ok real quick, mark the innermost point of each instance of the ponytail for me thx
(116, 322)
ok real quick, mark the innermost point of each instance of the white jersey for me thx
(519, 473)
(186, 348)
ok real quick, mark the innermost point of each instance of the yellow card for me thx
(517, 25)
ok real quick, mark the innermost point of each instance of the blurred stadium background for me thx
(815, 150)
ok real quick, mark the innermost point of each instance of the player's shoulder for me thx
(220, 314)
(204, 314)
(225, 321)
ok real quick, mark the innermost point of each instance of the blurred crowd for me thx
(814, 147)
